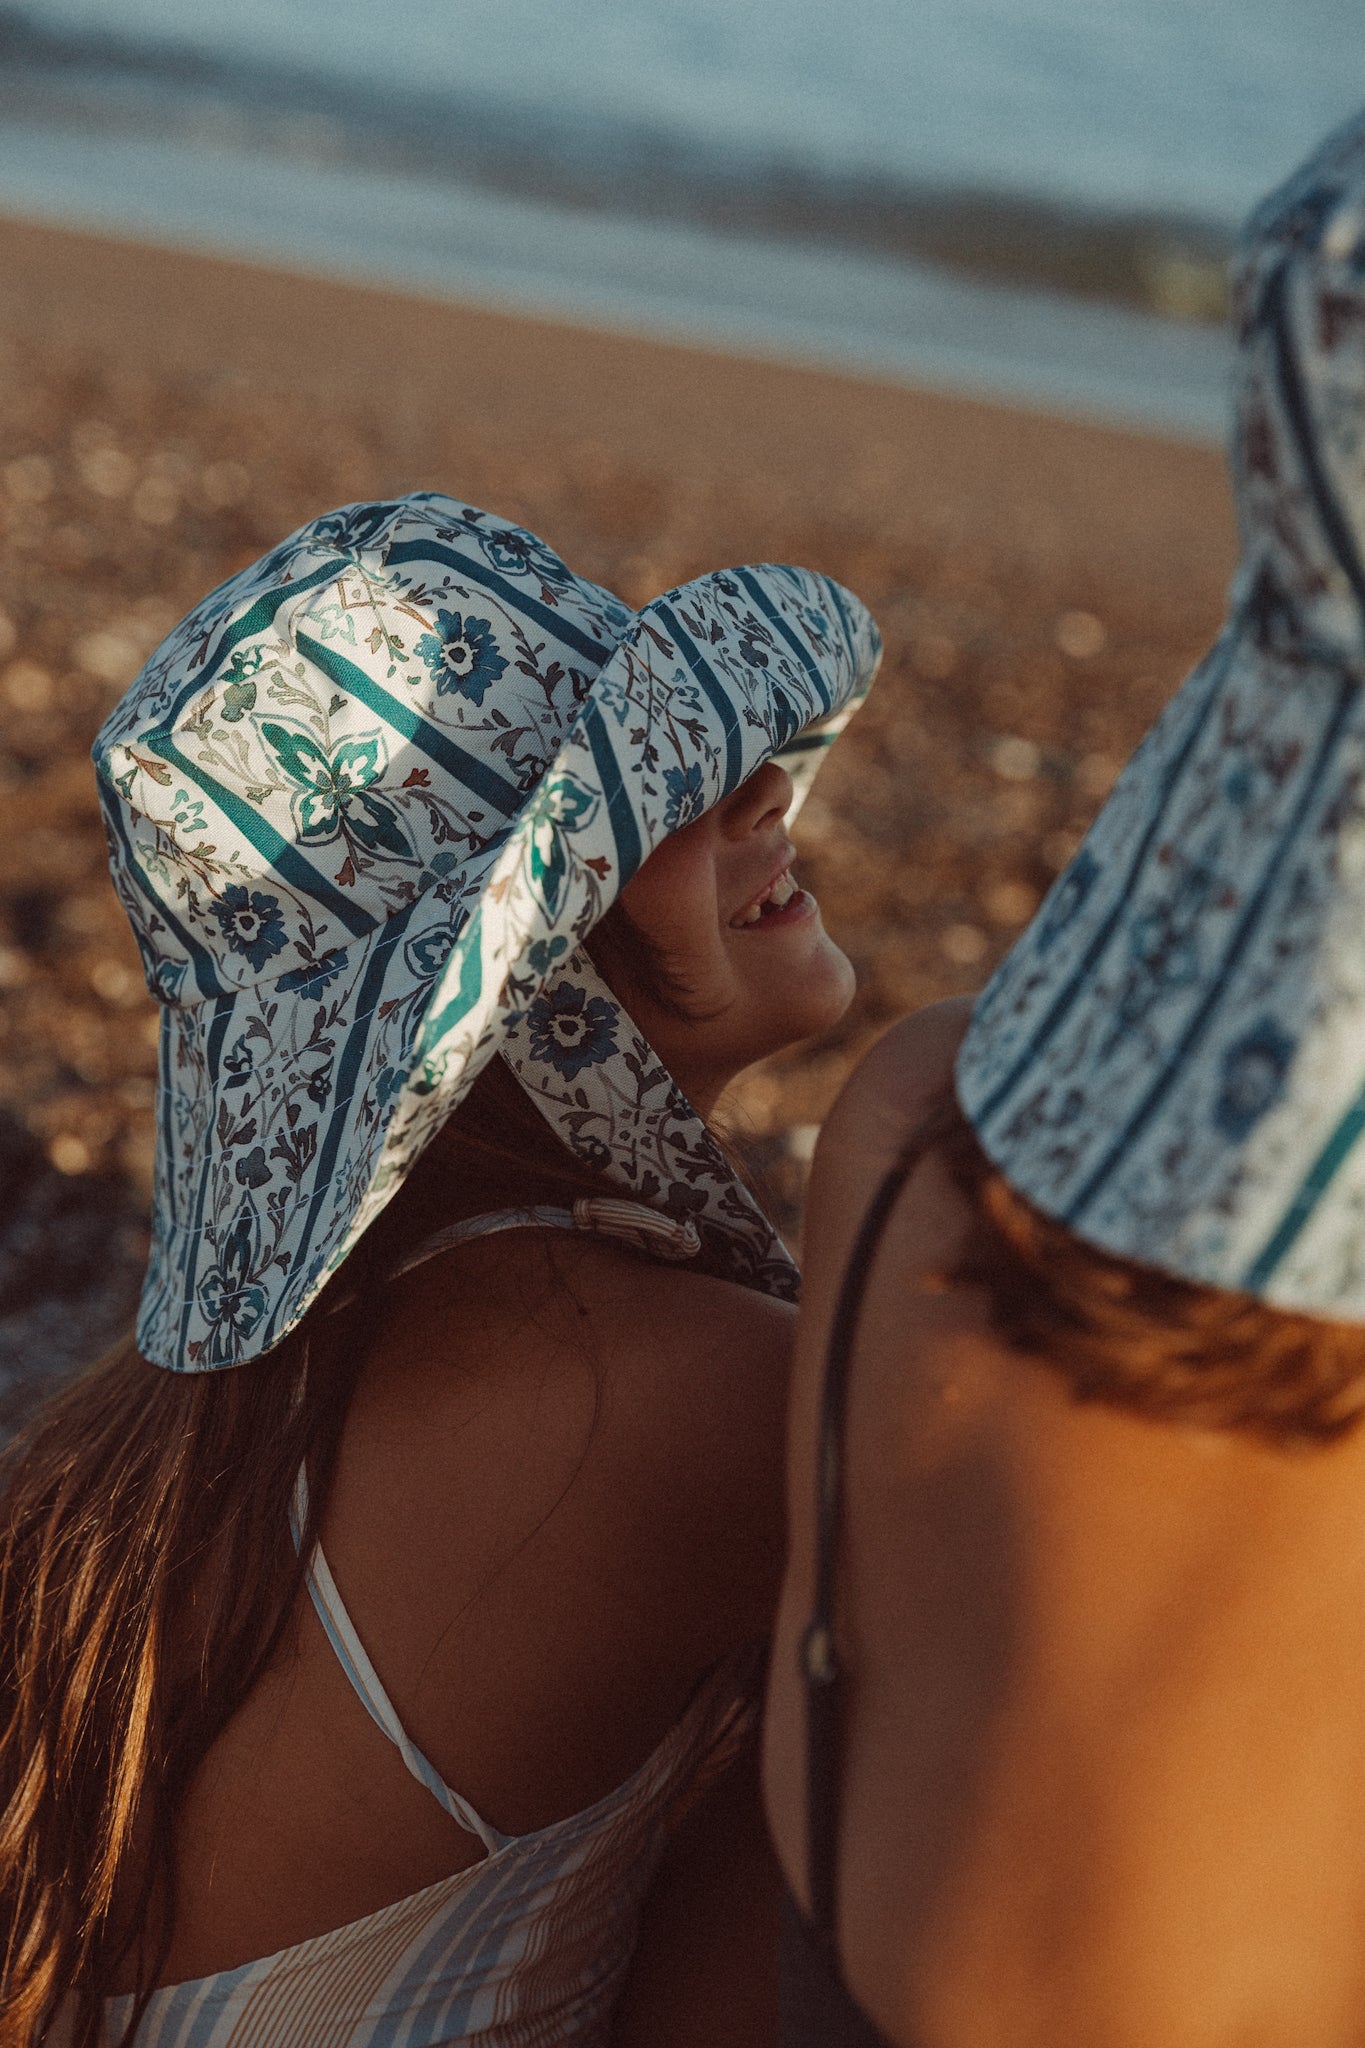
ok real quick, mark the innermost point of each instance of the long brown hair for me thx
(148, 1579)
(1128, 1334)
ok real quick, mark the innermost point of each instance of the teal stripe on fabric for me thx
(202, 964)
(1218, 664)
(720, 699)
(513, 595)
(1314, 1186)
(625, 826)
(255, 619)
(1306, 435)
(213, 1052)
(282, 855)
(836, 596)
(793, 639)
(467, 992)
(349, 1065)
(1179, 1054)
(478, 778)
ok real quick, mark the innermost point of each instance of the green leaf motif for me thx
(564, 806)
(239, 698)
(333, 622)
(333, 791)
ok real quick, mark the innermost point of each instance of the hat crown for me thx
(336, 731)
(1171, 1059)
(1298, 450)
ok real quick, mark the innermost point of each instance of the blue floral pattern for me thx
(251, 921)
(686, 796)
(1172, 1058)
(462, 655)
(357, 870)
(571, 1029)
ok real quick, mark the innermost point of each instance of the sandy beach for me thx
(1042, 585)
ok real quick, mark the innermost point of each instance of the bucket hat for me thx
(1172, 1058)
(363, 806)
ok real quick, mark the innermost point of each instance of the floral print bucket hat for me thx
(363, 806)
(1172, 1058)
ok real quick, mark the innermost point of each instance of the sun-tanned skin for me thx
(1104, 1761)
(559, 1502)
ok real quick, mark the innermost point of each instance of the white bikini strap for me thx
(632, 1223)
(351, 1655)
(629, 1222)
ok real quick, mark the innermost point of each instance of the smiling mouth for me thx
(781, 894)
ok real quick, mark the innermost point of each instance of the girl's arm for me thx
(705, 1971)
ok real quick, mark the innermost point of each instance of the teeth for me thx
(778, 895)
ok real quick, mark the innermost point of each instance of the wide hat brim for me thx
(290, 1119)
(1171, 1060)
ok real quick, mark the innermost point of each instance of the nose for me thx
(760, 803)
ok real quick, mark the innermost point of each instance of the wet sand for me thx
(1042, 584)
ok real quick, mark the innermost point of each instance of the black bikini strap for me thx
(819, 1654)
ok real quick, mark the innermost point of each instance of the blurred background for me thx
(928, 294)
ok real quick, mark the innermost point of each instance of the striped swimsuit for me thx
(525, 1949)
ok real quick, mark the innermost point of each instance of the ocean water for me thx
(949, 189)
(1178, 104)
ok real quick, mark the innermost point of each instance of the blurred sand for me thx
(1042, 585)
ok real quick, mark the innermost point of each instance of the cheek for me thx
(673, 897)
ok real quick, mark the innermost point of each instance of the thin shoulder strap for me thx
(820, 1668)
(630, 1223)
(674, 1239)
(365, 1680)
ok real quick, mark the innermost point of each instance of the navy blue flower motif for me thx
(686, 797)
(1239, 784)
(232, 1302)
(428, 952)
(351, 527)
(166, 977)
(314, 976)
(252, 923)
(545, 952)
(237, 1062)
(570, 1029)
(786, 718)
(253, 1172)
(754, 644)
(464, 658)
(1254, 1070)
(516, 553)
(388, 1085)
(1065, 903)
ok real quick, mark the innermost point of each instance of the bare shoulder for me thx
(631, 1402)
(891, 1086)
(881, 1104)
(491, 1308)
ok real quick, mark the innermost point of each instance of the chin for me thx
(833, 987)
(817, 994)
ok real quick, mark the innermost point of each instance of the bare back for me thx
(558, 1505)
(1104, 1759)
